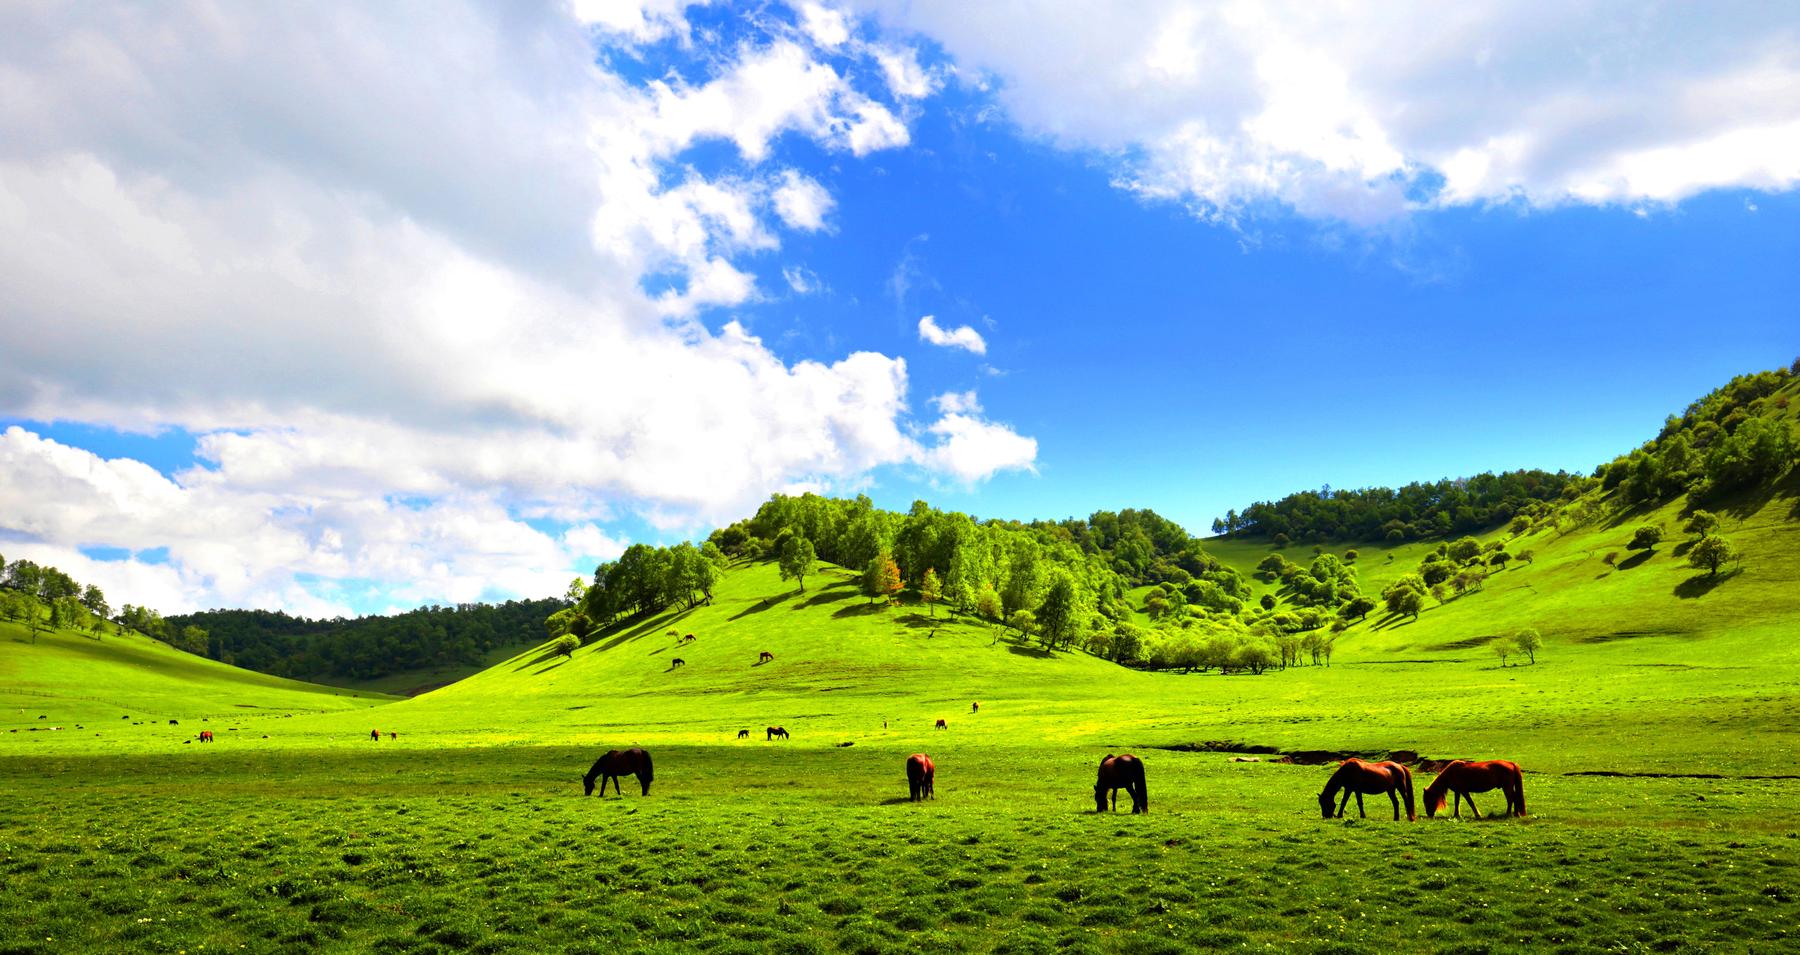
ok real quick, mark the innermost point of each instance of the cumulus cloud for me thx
(414, 279)
(1359, 114)
(963, 336)
(971, 449)
(801, 202)
(957, 402)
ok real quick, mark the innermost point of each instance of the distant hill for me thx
(107, 682)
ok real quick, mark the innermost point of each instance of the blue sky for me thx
(354, 353)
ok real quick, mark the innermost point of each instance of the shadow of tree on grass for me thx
(1700, 585)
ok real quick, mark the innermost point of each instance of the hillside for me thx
(73, 679)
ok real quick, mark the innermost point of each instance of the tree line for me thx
(45, 598)
(1416, 511)
(366, 647)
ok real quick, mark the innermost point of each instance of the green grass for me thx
(469, 831)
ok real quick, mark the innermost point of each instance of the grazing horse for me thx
(206, 736)
(690, 638)
(1125, 772)
(975, 707)
(942, 725)
(1358, 778)
(375, 734)
(616, 763)
(920, 772)
(766, 657)
(743, 734)
(1463, 777)
(677, 662)
(393, 736)
(775, 731)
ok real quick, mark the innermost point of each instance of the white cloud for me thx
(972, 449)
(825, 25)
(397, 293)
(957, 402)
(1357, 113)
(963, 337)
(906, 79)
(802, 280)
(801, 202)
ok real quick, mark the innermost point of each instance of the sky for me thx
(346, 308)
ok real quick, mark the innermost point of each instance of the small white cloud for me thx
(802, 280)
(801, 202)
(962, 337)
(972, 449)
(906, 79)
(825, 25)
(958, 402)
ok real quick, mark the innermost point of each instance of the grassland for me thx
(469, 831)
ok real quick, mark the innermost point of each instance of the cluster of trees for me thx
(43, 597)
(1455, 568)
(1737, 436)
(361, 648)
(1413, 512)
(1527, 641)
(645, 579)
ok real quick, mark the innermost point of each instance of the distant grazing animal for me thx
(975, 707)
(690, 638)
(1360, 779)
(206, 736)
(766, 657)
(775, 731)
(920, 772)
(677, 662)
(1126, 772)
(1463, 777)
(616, 763)
(375, 734)
(390, 736)
(743, 734)
(174, 722)
(942, 725)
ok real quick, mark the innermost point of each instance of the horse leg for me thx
(1457, 806)
(1395, 798)
(1343, 804)
(1359, 806)
(1472, 807)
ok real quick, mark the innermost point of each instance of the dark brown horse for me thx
(1360, 779)
(920, 772)
(975, 707)
(743, 734)
(1121, 772)
(375, 734)
(206, 736)
(941, 724)
(775, 731)
(677, 662)
(1463, 777)
(616, 763)
(765, 657)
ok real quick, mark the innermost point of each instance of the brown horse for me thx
(942, 725)
(206, 736)
(743, 734)
(775, 731)
(690, 638)
(1360, 779)
(920, 772)
(677, 662)
(765, 657)
(1463, 777)
(616, 763)
(1122, 772)
(975, 707)
(375, 734)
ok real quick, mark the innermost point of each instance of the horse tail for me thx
(1406, 787)
(1143, 787)
(1518, 781)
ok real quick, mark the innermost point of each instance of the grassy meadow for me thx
(469, 831)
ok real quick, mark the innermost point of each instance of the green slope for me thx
(71, 678)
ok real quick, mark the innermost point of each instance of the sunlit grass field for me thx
(469, 831)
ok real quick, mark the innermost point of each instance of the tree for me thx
(577, 590)
(930, 590)
(1350, 556)
(1646, 538)
(1406, 596)
(797, 560)
(881, 578)
(1023, 621)
(1409, 603)
(32, 610)
(988, 603)
(1701, 524)
(1464, 550)
(1358, 607)
(1058, 615)
(1267, 602)
(1499, 560)
(566, 645)
(1503, 647)
(1529, 641)
(1527, 556)
(1711, 554)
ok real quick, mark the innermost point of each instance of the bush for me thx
(1646, 538)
